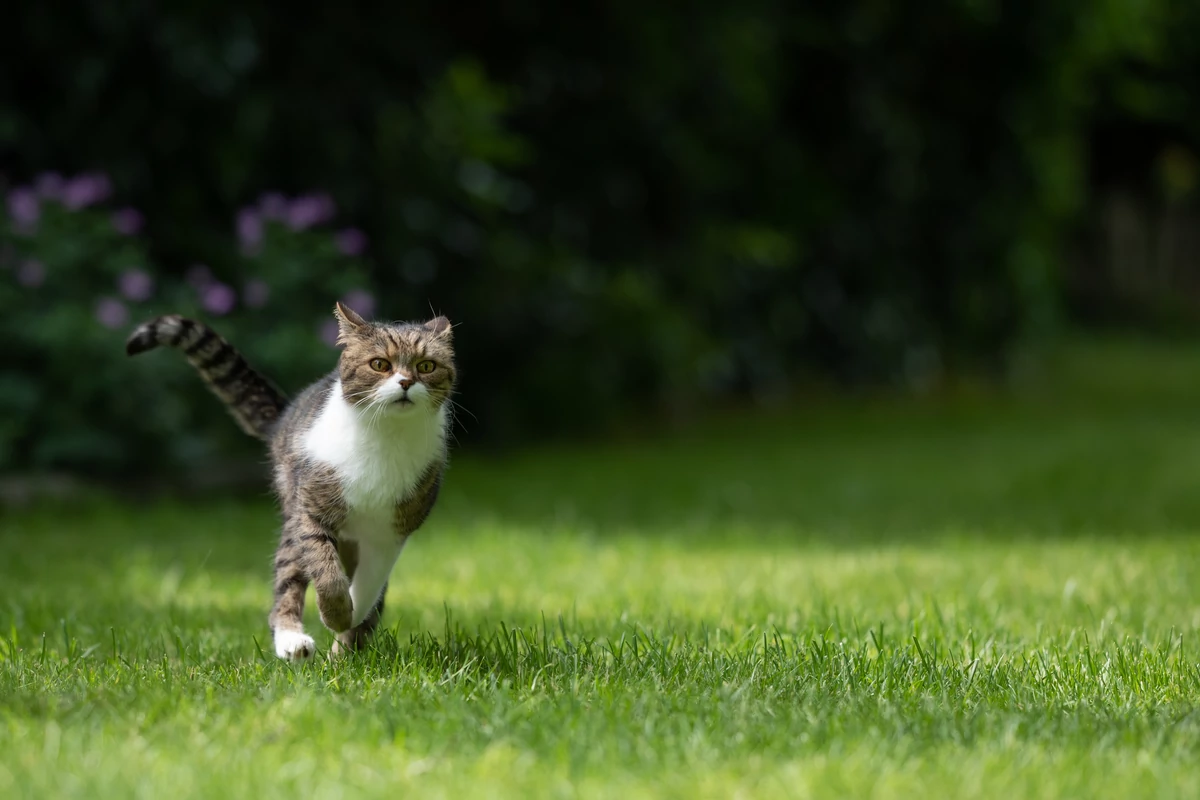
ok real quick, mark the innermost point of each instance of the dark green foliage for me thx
(626, 207)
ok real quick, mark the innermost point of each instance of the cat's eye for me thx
(425, 367)
(380, 364)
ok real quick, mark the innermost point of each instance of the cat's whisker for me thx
(459, 405)
(380, 408)
(372, 411)
(454, 407)
(365, 396)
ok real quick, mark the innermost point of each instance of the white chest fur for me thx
(378, 460)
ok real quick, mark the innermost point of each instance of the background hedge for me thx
(630, 210)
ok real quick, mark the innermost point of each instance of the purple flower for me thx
(31, 274)
(24, 208)
(199, 277)
(360, 301)
(85, 190)
(329, 332)
(111, 312)
(49, 185)
(255, 293)
(128, 221)
(249, 229)
(273, 205)
(218, 298)
(309, 210)
(136, 285)
(351, 242)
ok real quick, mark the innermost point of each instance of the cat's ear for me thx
(349, 322)
(439, 327)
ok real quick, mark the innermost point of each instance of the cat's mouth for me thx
(403, 402)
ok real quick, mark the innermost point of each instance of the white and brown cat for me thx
(358, 459)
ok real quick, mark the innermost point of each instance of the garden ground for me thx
(967, 597)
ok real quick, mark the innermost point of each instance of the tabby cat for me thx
(358, 460)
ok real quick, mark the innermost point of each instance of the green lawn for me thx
(967, 598)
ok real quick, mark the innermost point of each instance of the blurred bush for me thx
(628, 209)
(79, 278)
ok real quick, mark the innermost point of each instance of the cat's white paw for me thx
(294, 645)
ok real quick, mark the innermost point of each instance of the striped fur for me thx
(252, 399)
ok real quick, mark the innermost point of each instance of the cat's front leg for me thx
(357, 637)
(287, 612)
(318, 542)
(333, 601)
(333, 595)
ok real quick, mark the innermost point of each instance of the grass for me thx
(959, 598)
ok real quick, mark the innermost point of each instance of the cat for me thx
(358, 460)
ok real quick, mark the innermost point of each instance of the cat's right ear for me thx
(349, 322)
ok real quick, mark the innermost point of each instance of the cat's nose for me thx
(406, 382)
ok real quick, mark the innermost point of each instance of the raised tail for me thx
(252, 399)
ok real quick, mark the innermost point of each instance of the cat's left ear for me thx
(439, 327)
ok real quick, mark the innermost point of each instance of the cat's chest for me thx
(379, 465)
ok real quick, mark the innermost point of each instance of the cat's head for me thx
(395, 369)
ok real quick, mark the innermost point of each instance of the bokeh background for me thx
(637, 215)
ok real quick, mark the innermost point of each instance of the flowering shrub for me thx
(289, 269)
(76, 275)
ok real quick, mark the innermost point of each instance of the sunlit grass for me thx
(967, 599)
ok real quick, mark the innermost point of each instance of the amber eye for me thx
(425, 367)
(380, 365)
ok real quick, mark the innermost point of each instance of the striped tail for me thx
(252, 399)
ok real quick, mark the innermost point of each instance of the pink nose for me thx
(406, 382)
